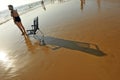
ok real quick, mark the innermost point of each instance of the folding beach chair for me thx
(35, 27)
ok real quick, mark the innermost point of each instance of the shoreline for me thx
(23, 12)
(20, 15)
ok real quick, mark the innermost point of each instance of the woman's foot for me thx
(22, 33)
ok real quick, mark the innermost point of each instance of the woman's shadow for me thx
(89, 48)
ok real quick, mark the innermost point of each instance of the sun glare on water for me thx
(3, 56)
(5, 60)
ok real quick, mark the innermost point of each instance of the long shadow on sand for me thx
(74, 45)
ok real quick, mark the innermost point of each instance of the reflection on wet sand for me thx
(3, 56)
(7, 63)
(5, 59)
(99, 4)
(31, 47)
(82, 4)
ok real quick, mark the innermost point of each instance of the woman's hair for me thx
(10, 6)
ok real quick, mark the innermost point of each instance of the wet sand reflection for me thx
(35, 47)
(31, 47)
(99, 4)
(83, 2)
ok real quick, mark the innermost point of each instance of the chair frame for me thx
(35, 27)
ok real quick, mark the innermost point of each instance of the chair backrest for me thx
(36, 24)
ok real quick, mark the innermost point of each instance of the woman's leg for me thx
(20, 27)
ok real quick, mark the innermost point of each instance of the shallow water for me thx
(82, 42)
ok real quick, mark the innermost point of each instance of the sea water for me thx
(5, 14)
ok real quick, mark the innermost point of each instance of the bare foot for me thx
(22, 33)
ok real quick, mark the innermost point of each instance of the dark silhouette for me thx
(43, 5)
(73, 45)
(35, 27)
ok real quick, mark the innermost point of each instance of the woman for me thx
(17, 19)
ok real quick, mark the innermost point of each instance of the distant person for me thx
(43, 5)
(17, 19)
(99, 3)
(82, 4)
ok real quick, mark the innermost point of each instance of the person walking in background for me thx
(17, 19)
(43, 5)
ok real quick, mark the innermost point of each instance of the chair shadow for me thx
(92, 49)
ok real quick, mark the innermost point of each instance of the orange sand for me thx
(83, 43)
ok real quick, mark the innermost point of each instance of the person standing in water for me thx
(43, 5)
(17, 19)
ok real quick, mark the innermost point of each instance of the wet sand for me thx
(82, 43)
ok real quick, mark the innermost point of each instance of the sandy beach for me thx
(82, 43)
